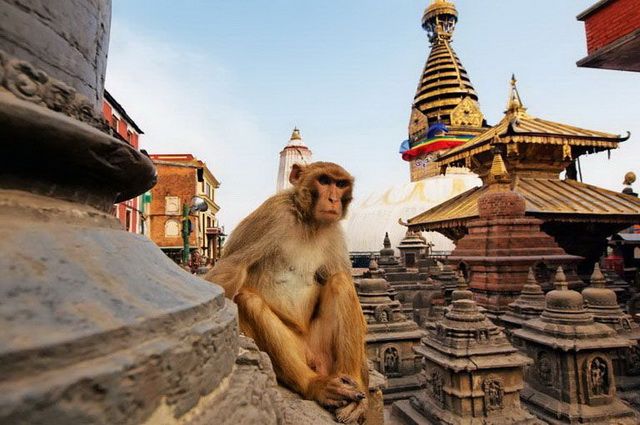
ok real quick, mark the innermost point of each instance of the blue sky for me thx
(228, 80)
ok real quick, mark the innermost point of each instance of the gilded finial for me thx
(629, 178)
(560, 281)
(597, 278)
(498, 172)
(514, 104)
(295, 135)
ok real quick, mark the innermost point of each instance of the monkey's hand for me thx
(354, 412)
(334, 391)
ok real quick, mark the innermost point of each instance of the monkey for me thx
(287, 268)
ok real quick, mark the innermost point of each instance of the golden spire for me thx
(295, 135)
(514, 104)
(444, 83)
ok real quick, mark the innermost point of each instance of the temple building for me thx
(474, 375)
(390, 336)
(445, 113)
(578, 216)
(572, 379)
(295, 152)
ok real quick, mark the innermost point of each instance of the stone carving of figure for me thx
(599, 377)
(384, 316)
(494, 394)
(545, 368)
(391, 360)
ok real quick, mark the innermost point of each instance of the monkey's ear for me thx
(296, 174)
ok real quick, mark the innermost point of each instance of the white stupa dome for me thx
(372, 215)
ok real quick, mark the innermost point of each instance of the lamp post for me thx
(197, 204)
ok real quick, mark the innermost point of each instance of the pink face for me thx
(328, 207)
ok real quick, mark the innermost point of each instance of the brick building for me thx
(613, 35)
(180, 178)
(130, 212)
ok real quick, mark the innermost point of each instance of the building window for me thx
(207, 190)
(171, 228)
(129, 134)
(127, 220)
(172, 205)
(114, 123)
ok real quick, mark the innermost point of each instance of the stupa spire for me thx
(444, 83)
(514, 104)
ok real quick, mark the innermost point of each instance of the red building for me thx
(613, 35)
(130, 212)
(180, 178)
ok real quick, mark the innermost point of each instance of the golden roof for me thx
(517, 126)
(556, 200)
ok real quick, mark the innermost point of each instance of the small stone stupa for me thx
(406, 283)
(390, 336)
(572, 379)
(601, 302)
(412, 247)
(388, 260)
(474, 375)
(529, 305)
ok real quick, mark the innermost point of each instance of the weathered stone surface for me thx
(69, 40)
(473, 374)
(502, 245)
(572, 379)
(390, 336)
(98, 325)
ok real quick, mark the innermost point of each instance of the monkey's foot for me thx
(335, 391)
(354, 412)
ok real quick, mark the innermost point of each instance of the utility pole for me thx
(186, 225)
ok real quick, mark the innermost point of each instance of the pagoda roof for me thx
(517, 126)
(568, 200)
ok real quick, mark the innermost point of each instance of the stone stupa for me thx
(572, 379)
(473, 374)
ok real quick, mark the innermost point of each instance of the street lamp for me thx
(197, 204)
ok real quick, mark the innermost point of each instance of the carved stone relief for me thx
(493, 388)
(391, 360)
(546, 368)
(29, 83)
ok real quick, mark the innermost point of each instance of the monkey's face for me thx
(330, 192)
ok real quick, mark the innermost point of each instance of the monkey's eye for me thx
(342, 183)
(324, 180)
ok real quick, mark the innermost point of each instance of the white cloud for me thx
(185, 102)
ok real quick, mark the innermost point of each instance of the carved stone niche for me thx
(391, 361)
(383, 314)
(493, 388)
(597, 379)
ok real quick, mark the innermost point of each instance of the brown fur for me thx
(290, 277)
